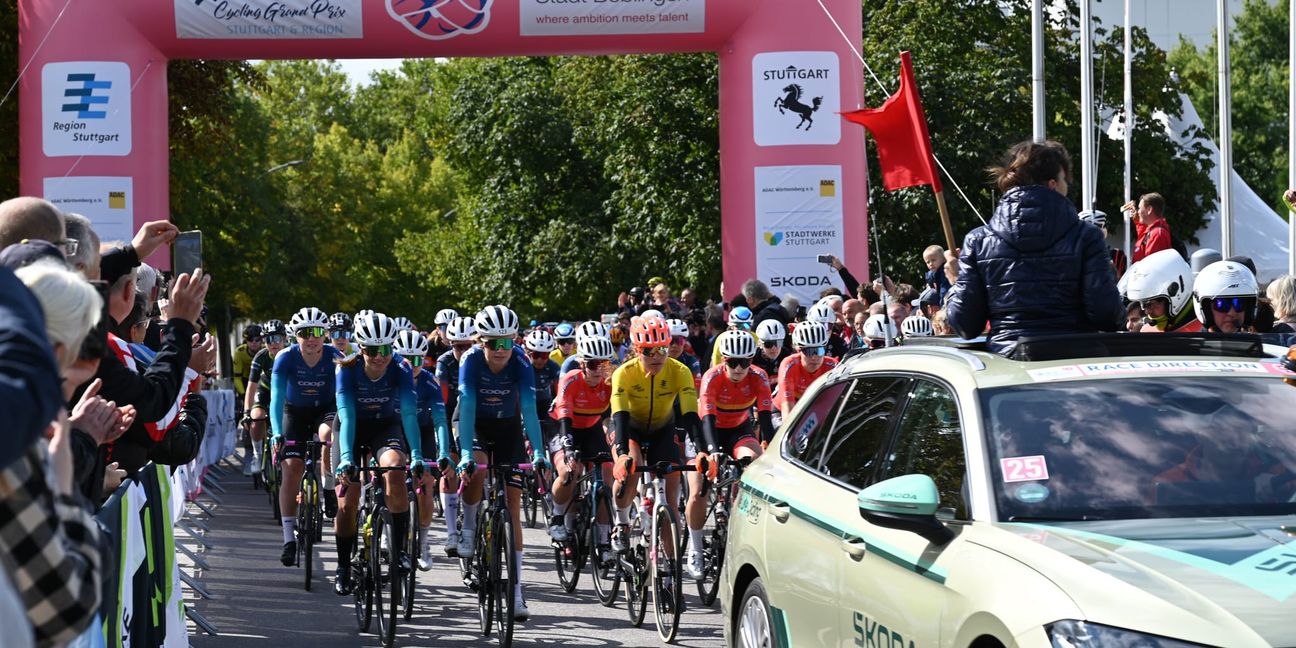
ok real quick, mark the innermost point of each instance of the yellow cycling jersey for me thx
(651, 404)
(557, 356)
(242, 368)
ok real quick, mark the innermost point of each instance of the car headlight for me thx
(1070, 633)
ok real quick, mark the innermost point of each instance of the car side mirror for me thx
(905, 503)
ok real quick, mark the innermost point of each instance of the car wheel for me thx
(755, 620)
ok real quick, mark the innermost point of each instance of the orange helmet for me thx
(649, 332)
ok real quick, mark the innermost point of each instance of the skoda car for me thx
(1131, 491)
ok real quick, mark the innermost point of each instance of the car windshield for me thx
(1142, 447)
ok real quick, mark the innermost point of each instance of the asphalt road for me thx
(259, 602)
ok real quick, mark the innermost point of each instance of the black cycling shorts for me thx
(589, 442)
(502, 440)
(374, 436)
(729, 438)
(659, 446)
(302, 424)
(261, 398)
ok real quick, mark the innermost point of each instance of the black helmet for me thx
(339, 322)
(252, 332)
(274, 327)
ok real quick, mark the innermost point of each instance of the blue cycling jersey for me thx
(431, 410)
(293, 382)
(362, 398)
(572, 362)
(546, 384)
(447, 374)
(502, 395)
(693, 364)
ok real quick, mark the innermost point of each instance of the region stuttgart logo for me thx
(441, 19)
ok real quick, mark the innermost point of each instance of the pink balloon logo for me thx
(441, 19)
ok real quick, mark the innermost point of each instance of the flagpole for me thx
(945, 220)
(1225, 131)
(1129, 133)
(1087, 175)
(1037, 69)
(1291, 132)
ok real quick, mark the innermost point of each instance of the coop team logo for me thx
(790, 91)
(86, 108)
(441, 19)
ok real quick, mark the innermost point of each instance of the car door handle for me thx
(855, 547)
(780, 510)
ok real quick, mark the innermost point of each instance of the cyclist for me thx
(1162, 285)
(340, 332)
(644, 394)
(772, 335)
(302, 405)
(584, 397)
(679, 348)
(403, 324)
(565, 337)
(740, 319)
(916, 325)
(801, 368)
(540, 346)
(256, 397)
(412, 346)
(242, 366)
(460, 333)
(876, 330)
(823, 313)
(377, 419)
(438, 339)
(1225, 295)
(729, 392)
(497, 405)
(592, 328)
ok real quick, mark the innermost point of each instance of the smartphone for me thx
(95, 344)
(609, 318)
(186, 252)
(825, 258)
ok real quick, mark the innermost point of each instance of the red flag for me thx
(899, 128)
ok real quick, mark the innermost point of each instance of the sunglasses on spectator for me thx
(813, 351)
(655, 351)
(1226, 304)
(375, 351)
(770, 344)
(738, 363)
(461, 346)
(309, 332)
(340, 334)
(274, 339)
(566, 341)
(594, 364)
(499, 344)
(414, 360)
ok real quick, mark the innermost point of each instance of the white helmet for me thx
(677, 328)
(771, 330)
(403, 324)
(833, 301)
(822, 313)
(1224, 279)
(375, 329)
(445, 316)
(877, 325)
(736, 344)
(652, 312)
(362, 313)
(810, 334)
(592, 328)
(461, 329)
(540, 341)
(410, 343)
(595, 348)
(1162, 275)
(308, 317)
(1095, 217)
(916, 326)
(496, 321)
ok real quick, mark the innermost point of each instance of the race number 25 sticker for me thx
(1019, 469)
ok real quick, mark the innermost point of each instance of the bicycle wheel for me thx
(386, 576)
(633, 573)
(488, 574)
(306, 528)
(606, 577)
(665, 568)
(716, 528)
(361, 585)
(529, 501)
(506, 562)
(412, 549)
(438, 509)
(567, 558)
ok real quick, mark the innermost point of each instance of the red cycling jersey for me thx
(731, 402)
(576, 400)
(793, 379)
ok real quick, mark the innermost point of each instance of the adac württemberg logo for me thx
(790, 97)
(86, 96)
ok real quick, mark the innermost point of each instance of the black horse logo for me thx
(792, 101)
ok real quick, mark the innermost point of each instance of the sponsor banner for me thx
(255, 19)
(795, 98)
(107, 201)
(441, 19)
(798, 218)
(602, 17)
(86, 108)
(1071, 372)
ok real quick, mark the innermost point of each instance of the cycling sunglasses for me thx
(594, 364)
(540, 356)
(462, 346)
(770, 344)
(678, 340)
(566, 340)
(340, 334)
(414, 360)
(274, 339)
(1226, 304)
(738, 363)
(499, 344)
(375, 351)
(814, 351)
(655, 351)
(309, 332)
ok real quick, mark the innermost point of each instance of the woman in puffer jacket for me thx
(1035, 269)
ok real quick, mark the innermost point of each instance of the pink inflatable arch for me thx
(93, 102)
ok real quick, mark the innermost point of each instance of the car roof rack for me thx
(1101, 345)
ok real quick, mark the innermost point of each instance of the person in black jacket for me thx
(1035, 269)
(764, 306)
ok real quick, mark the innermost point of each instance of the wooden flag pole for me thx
(945, 220)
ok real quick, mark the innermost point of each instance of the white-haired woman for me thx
(1282, 296)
